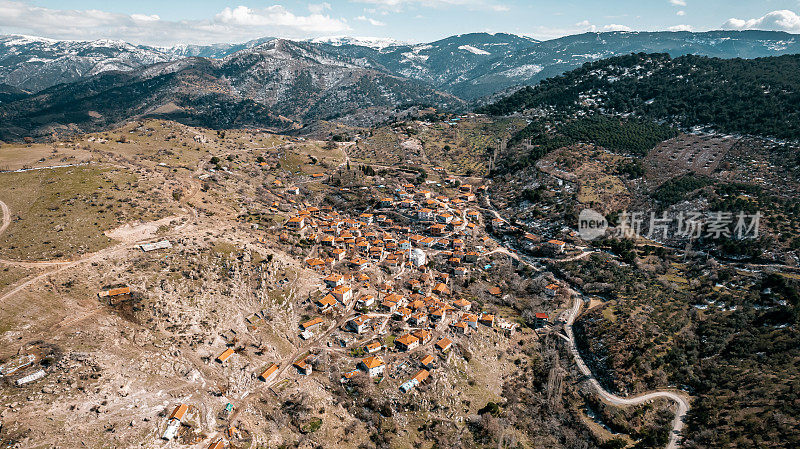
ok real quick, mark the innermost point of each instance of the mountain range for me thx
(47, 84)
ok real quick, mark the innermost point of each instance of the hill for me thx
(279, 84)
(470, 66)
(741, 96)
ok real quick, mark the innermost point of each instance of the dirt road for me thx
(679, 398)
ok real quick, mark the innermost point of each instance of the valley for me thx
(483, 241)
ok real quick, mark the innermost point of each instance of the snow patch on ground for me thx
(473, 50)
(525, 70)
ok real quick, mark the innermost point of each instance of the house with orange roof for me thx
(460, 327)
(438, 314)
(441, 289)
(303, 367)
(406, 342)
(444, 344)
(325, 303)
(556, 246)
(444, 218)
(115, 292)
(426, 214)
(373, 347)
(338, 254)
(226, 354)
(418, 319)
(359, 263)
(389, 306)
(334, 280)
(394, 297)
(297, 222)
(349, 375)
(423, 335)
(312, 324)
(495, 291)
(372, 365)
(552, 289)
(270, 373)
(437, 229)
(487, 319)
(179, 412)
(427, 242)
(174, 422)
(365, 301)
(315, 264)
(427, 362)
(462, 304)
(403, 313)
(343, 294)
(471, 319)
(415, 381)
(359, 324)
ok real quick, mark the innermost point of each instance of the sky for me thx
(171, 22)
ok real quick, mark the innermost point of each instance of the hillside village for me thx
(329, 279)
(170, 286)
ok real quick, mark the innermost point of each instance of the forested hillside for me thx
(756, 96)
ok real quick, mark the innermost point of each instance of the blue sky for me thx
(160, 22)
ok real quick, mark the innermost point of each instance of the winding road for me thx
(679, 398)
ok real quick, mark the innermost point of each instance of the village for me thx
(384, 300)
(396, 271)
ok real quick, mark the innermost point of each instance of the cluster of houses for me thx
(374, 239)
(346, 247)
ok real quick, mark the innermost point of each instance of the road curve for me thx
(678, 398)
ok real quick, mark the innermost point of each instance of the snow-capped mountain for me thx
(35, 63)
(469, 65)
(48, 85)
(376, 43)
(280, 84)
(554, 57)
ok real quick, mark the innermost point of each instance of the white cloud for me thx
(319, 8)
(678, 2)
(371, 21)
(681, 13)
(397, 5)
(616, 27)
(781, 20)
(681, 28)
(232, 24)
(587, 26)
(145, 18)
(278, 16)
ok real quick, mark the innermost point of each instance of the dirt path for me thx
(113, 251)
(678, 397)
